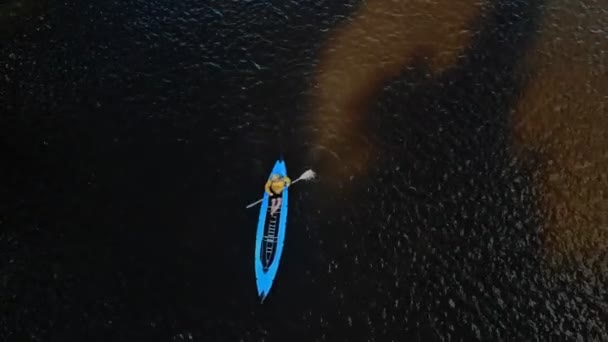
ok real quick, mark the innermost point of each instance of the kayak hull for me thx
(270, 237)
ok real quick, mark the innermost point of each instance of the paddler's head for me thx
(275, 177)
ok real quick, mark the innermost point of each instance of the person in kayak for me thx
(274, 187)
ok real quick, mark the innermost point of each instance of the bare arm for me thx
(267, 188)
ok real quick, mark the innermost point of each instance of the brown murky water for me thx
(563, 117)
(378, 43)
(562, 114)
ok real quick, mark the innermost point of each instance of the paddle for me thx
(307, 175)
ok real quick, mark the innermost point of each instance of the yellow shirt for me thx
(277, 186)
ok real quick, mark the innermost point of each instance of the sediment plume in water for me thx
(561, 114)
(382, 39)
(562, 117)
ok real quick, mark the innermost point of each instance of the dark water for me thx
(134, 133)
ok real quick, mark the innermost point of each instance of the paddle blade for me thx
(308, 175)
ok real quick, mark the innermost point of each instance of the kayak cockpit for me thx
(269, 241)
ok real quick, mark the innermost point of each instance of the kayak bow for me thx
(270, 237)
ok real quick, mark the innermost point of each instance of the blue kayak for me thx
(270, 237)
